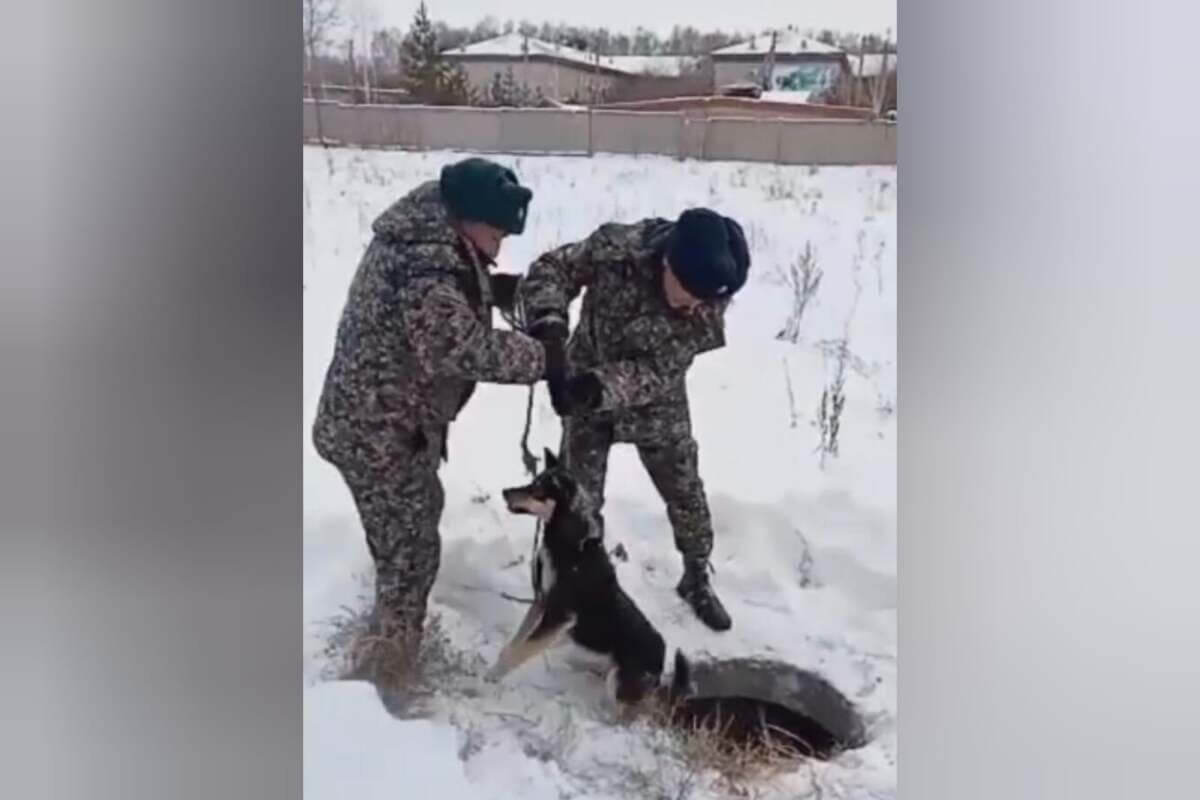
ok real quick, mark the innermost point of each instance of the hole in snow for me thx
(759, 702)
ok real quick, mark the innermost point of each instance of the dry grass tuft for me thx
(738, 766)
(403, 670)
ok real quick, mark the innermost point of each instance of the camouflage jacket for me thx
(627, 335)
(415, 334)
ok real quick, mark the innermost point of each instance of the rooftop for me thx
(788, 43)
(512, 45)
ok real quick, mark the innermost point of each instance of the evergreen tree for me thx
(495, 93)
(504, 90)
(427, 77)
(419, 55)
(455, 88)
(509, 91)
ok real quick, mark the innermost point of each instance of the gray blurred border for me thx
(150, 459)
(151, 508)
(1049, 634)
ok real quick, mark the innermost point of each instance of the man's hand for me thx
(504, 289)
(571, 396)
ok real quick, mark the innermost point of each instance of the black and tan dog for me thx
(578, 594)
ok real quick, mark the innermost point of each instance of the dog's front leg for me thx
(541, 628)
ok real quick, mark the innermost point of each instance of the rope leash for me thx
(516, 321)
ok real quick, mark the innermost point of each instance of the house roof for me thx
(788, 43)
(510, 45)
(669, 66)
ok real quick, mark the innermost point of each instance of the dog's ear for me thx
(551, 461)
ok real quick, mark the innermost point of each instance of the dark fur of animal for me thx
(578, 592)
(578, 595)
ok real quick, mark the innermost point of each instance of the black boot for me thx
(696, 589)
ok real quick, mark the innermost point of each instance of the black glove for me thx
(504, 290)
(571, 396)
(559, 400)
(585, 391)
(555, 372)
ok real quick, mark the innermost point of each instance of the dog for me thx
(577, 594)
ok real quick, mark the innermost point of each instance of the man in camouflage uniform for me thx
(414, 338)
(657, 291)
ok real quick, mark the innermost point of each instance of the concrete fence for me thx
(586, 131)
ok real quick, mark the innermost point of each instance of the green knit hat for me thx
(484, 191)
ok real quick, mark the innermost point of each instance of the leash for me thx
(516, 321)
(530, 462)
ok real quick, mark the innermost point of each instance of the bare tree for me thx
(486, 28)
(880, 84)
(320, 17)
(385, 52)
(363, 23)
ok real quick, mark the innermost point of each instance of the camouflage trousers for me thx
(399, 500)
(670, 456)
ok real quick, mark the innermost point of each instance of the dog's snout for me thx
(515, 497)
(525, 500)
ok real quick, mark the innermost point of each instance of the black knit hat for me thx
(708, 254)
(484, 191)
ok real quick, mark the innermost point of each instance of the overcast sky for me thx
(860, 16)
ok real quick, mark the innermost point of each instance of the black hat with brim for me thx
(484, 191)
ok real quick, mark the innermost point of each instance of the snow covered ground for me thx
(805, 551)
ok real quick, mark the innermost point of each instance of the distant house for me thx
(869, 80)
(870, 65)
(874, 77)
(796, 64)
(562, 73)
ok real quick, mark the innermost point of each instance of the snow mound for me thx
(354, 749)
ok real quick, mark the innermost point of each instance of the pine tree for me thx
(455, 88)
(496, 90)
(419, 56)
(427, 77)
(509, 91)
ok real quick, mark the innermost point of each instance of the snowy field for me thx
(805, 551)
